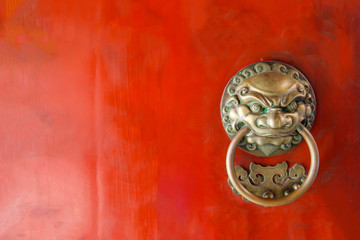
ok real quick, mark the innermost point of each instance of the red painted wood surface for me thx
(110, 124)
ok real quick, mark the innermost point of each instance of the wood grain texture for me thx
(110, 124)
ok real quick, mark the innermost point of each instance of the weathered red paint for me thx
(110, 124)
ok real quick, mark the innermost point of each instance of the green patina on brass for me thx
(272, 99)
(270, 181)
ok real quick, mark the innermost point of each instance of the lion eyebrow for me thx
(291, 96)
(255, 96)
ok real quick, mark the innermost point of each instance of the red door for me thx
(110, 124)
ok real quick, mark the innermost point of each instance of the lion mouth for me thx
(274, 140)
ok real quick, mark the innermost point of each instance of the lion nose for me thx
(276, 118)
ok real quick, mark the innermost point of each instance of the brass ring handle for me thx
(314, 166)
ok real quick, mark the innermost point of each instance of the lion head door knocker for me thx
(267, 109)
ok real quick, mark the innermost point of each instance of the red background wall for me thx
(110, 124)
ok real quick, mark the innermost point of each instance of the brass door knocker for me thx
(267, 109)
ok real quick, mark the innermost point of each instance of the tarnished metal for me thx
(267, 108)
(272, 99)
(270, 181)
(288, 197)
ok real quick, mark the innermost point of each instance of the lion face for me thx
(272, 104)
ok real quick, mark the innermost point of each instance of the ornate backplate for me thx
(272, 99)
(270, 181)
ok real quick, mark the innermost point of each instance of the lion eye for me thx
(291, 107)
(256, 108)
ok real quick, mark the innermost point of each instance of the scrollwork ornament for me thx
(271, 98)
(278, 179)
(248, 72)
(262, 67)
(279, 67)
